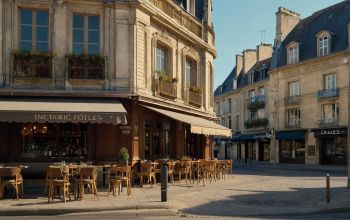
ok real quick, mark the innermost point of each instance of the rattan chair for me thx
(117, 176)
(88, 176)
(11, 176)
(148, 172)
(58, 178)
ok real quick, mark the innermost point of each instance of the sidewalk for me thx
(253, 191)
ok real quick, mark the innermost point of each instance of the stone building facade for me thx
(152, 57)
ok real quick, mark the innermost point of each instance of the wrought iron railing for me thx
(166, 89)
(328, 93)
(86, 67)
(256, 102)
(33, 66)
(292, 100)
(326, 122)
(258, 123)
(293, 124)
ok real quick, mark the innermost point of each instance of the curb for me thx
(52, 211)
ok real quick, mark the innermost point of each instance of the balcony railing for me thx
(166, 89)
(86, 66)
(328, 93)
(326, 122)
(256, 102)
(292, 100)
(293, 124)
(26, 64)
(258, 123)
(195, 98)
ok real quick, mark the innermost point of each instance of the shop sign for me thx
(331, 132)
(126, 129)
(62, 117)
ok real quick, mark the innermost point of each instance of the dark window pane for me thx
(42, 18)
(42, 34)
(26, 33)
(26, 46)
(94, 22)
(42, 46)
(78, 48)
(78, 36)
(94, 49)
(78, 21)
(94, 37)
(26, 16)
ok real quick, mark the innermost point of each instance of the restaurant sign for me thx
(330, 132)
(64, 117)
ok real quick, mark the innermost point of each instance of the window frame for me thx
(165, 50)
(330, 81)
(293, 91)
(293, 114)
(193, 71)
(34, 27)
(86, 33)
(334, 107)
(324, 43)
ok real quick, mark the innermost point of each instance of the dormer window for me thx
(323, 43)
(293, 53)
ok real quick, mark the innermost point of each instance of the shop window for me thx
(86, 34)
(157, 140)
(40, 141)
(293, 151)
(34, 30)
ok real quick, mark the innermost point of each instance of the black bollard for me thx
(328, 188)
(164, 183)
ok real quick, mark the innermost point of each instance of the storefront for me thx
(48, 130)
(291, 146)
(257, 146)
(332, 143)
(175, 134)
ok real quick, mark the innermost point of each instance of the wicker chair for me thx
(11, 176)
(117, 176)
(58, 177)
(148, 171)
(88, 176)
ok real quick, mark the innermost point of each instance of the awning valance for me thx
(198, 125)
(290, 135)
(62, 111)
(253, 137)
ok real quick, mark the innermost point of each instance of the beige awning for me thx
(198, 125)
(62, 111)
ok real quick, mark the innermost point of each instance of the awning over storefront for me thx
(253, 137)
(198, 125)
(62, 111)
(290, 135)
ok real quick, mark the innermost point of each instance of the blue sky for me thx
(237, 24)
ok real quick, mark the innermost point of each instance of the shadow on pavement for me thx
(267, 204)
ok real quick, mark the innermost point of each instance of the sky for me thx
(238, 25)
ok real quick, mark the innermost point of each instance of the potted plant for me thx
(123, 155)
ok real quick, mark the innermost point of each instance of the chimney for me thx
(286, 20)
(239, 64)
(249, 59)
(263, 52)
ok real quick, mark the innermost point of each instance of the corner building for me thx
(80, 79)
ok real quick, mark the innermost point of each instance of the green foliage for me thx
(163, 76)
(261, 122)
(123, 154)
(195, 89)
(33, 55)
(93, 58)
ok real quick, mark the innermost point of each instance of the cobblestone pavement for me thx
(261, 190)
